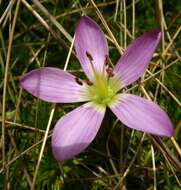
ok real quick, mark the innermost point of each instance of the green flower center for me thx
(103, 90)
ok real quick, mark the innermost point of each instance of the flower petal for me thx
(141, 114)
(54, 85)
(90, 42)
(136, 58)
(76, 130)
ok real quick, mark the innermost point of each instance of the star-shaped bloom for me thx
(77, 129)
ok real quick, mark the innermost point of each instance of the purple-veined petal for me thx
(136, 58)
(76, 130)
(143, 115)
(90, 39)
(54, 85)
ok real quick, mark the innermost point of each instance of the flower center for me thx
(103, 90)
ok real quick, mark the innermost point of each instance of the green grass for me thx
(118, 158)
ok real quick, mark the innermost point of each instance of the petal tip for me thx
(170, 132)
(168, 129)
(23, 80)
(85, 19)
(30, 80)
(155, 33)
(57, 156)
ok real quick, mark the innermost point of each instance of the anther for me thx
(89, 56)
(109, 71)
(88, 82)
(78, 81)
(106, 62)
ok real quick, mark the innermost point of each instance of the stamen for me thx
(77, 80)
(88, 82)
(106, 62)
(109, 71)
(89, 56)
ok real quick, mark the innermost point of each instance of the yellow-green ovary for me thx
(103, 90)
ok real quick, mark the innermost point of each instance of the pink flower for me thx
(77, 129)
